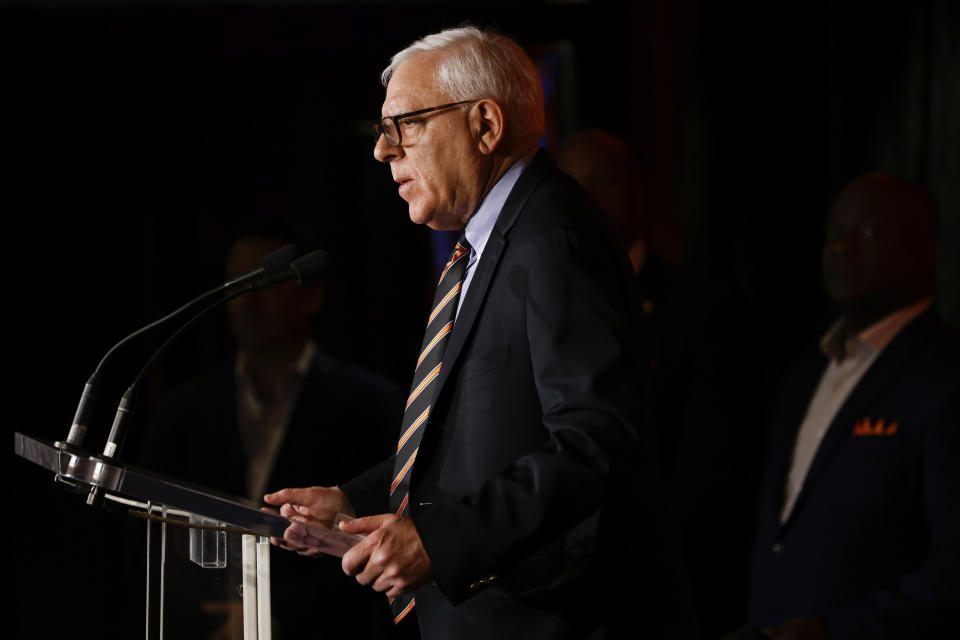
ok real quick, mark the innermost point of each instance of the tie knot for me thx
(461, 246)
(457, 265)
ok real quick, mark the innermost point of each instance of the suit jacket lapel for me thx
(883, 371)
(532, 175)
(792, 408)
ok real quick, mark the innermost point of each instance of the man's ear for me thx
(488, 125)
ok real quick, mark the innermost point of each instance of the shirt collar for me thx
(481, 223)
(877, 336)
(300, 366)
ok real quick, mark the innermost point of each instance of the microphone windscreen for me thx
(279, 260)
(309, 266)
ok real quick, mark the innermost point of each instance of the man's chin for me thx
(418, 216)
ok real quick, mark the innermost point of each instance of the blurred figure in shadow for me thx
(282, 413)
(704, 402)
(858, 530)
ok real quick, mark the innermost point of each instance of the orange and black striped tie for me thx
(417, 411)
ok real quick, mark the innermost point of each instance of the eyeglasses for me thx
(389, 127)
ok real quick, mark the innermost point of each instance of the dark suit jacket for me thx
(343, 422)
(536, 455)
(872, 543)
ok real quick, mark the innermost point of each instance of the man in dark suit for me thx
(270, 409)
(281, 413)
(533, 459)
(858, 529)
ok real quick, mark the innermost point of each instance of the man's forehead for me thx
(861, 207)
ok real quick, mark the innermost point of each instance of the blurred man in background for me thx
(858, 532)
(703, 400)
(281, 413)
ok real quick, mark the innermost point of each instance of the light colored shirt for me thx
(481, 223)
(263, 421)
(849, 361)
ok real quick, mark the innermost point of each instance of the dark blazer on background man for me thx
(871, 545)
(343, 421)
(536, 457)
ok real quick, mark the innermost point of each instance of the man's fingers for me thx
(305, 512)
(388, 579)
(389, 582)
(391, 558)
(355, 560)
(310, 552)
(297, 532)
(368, 524)
(285, 544)
(373, 569)
(278, 498)
(300, 513)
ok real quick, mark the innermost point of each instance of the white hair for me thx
(481, 64)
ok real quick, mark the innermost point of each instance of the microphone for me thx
(272, 264)
(303, 270)
(310, 266)
(277, 262)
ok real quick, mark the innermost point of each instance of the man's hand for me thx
(798, 629)
(316, 505)
(323, 503)
(391, 558)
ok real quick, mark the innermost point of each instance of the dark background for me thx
(136, 136)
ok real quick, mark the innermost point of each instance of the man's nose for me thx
(383, 151)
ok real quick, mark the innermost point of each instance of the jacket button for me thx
(777, 548)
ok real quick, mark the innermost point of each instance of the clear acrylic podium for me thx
(204, 578)
(207, 555)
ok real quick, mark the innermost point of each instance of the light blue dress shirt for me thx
(481, 223)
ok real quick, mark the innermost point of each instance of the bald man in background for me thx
(858, 531)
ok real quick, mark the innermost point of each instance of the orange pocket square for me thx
(879, 428)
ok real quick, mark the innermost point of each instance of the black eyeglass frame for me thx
(378, 129)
